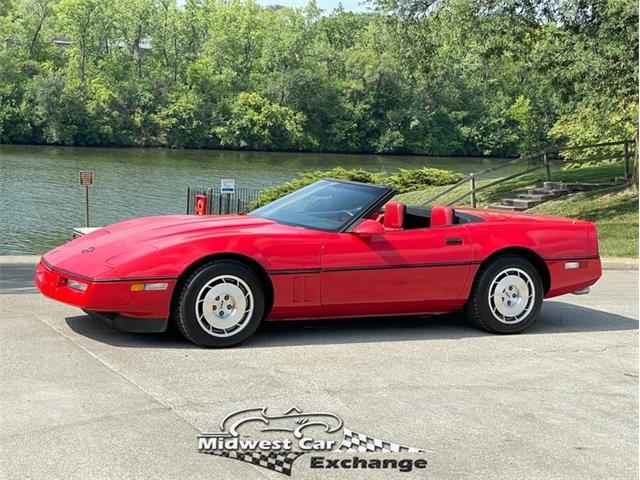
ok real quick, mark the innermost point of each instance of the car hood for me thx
(98, 254)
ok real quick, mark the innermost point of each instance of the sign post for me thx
(227, 187)
(86, 181)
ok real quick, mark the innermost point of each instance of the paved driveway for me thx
(79, 400)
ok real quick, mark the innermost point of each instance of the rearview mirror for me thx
(368, 228)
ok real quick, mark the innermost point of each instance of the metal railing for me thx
(219, 203)
(542, 160)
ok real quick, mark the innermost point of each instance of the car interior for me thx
(397, 216)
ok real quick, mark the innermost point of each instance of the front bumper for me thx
(129, 324)
(105, 295)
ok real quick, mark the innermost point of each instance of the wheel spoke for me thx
(224, 305)
(511, 295)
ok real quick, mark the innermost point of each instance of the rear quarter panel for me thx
(550, 241)
(556, 242)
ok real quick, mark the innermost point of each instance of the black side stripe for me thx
(295, 271)
(370, 267)
(409, 265)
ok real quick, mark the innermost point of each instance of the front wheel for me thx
(506, 296)
(221, 304)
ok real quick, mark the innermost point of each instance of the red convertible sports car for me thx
(331, 249)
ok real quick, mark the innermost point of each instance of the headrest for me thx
(393, 215)
(441, 216)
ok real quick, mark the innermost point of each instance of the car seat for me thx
(441, 216)
(394, 215)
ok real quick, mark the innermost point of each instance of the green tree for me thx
(439, 77)
(255, 122)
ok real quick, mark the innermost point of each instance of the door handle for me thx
(454, 241)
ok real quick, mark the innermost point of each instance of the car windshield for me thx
(323, 205)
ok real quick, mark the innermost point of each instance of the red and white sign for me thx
(86, 178)
(200, 207)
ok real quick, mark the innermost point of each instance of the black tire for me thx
(480, 310)
(199, 284)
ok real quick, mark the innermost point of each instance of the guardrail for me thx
(542, 160)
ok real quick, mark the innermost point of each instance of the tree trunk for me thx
(34, 39)
(634, 173)
(137, 53)
(83, 56)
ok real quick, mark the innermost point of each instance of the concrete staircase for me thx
(536, 196)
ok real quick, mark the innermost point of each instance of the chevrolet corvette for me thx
(333, 249)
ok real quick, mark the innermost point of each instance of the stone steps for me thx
(496, 206)
(549, 190)
(545, 191)
(519, 203)
(554, 186)
(536, 197)
(588, 186)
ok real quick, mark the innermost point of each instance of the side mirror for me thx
(368, 228)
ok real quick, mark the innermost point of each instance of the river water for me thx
(42, 201)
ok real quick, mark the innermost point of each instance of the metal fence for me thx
(219, 203)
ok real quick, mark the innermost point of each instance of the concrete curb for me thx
(619, 263)
(6, 259)
(607, 263)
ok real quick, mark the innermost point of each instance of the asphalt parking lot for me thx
(80, 400)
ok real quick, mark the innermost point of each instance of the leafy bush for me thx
(404, 180)
(408, 180)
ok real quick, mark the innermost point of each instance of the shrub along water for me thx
(404, 180)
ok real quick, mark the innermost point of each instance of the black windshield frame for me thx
(384, 194)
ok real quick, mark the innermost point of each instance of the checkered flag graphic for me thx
(357, 442)
(280, 462)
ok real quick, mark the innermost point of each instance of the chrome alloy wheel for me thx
(224, 306)
(511, 296)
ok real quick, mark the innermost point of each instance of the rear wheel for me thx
(506, 296)
(221, 304)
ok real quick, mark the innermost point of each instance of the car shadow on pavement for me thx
(556, 318)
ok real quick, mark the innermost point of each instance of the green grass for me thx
(613, 210)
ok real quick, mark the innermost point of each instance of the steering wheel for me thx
(345, 215)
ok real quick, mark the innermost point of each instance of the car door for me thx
(397, 272)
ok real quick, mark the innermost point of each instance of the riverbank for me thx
(259, 151)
